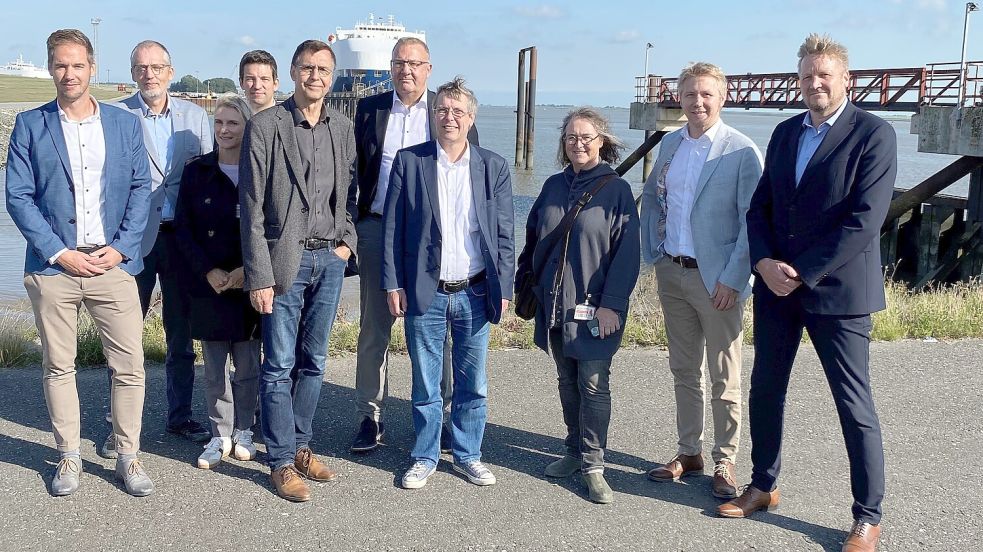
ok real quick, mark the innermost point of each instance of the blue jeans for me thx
(465, 312)
(295, 340)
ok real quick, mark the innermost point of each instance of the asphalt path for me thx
(928, 396)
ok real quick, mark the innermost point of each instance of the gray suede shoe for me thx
(108, 448)
(597, 488)
(66, 479)
(564, 467)
(130, 472)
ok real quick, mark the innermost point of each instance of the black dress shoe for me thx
(369, 435)
(446, 441)
(192, 431)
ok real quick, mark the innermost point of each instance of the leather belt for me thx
(312, 244)
(89, 249)
(166, 226)
(454, 286)
(685, 262)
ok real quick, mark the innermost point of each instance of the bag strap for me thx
(566, 225)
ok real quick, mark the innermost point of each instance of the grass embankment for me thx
(946, 313)
(24, 89)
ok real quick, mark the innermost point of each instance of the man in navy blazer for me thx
(449, 260)
(384, 124)
(813, 232)
(78, 189)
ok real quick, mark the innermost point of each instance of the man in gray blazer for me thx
(695, 233)
(295, 175)
(174, 131)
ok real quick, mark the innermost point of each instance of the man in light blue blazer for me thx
(78, 189)
(174, 131)
(695, 233)
(449, 262)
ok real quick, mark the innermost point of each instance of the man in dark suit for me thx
(449, 260)
(813, 231)
(297, 236)
(384, 124)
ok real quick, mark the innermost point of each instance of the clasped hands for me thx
(780, 277)
(221, 280)
(82, 264)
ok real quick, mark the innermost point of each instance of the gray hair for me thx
(456, 89)
(147, 44)
(69, 36)
(234, 101)
(823, 45)
(610, 151)
(704, 69)
(411, 41)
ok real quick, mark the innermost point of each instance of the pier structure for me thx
(928, 237)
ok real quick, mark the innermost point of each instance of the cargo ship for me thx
(363, 55)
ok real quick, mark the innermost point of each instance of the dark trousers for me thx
(842, 343)
(585, 397)
(166, 261)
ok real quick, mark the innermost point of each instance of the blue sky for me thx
(589, 52)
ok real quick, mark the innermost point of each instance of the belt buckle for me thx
(454, 286)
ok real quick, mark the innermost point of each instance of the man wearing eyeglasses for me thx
(174, 131)
(448, 266)
(384, 124)
(297, 236)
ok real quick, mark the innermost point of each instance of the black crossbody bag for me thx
(525, 300)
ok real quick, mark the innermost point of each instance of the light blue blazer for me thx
(192, 137)
(723, 195)
(41, 194)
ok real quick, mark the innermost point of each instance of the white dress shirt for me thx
(407, 126)
(460, 251)
(86, 146)
(681, 182)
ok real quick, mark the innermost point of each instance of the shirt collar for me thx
(146, 109)
(298, 115)
(807, 122)
(708, 135)
(445, 160)
(90, 119)
(400, 107)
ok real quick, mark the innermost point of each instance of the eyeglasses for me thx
(141, 69)
(456, 112)
(398, 64)
(572, 139)
(307, 70)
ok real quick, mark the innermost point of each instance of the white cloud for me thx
(542, 11)
(246, 40)
(622, 37)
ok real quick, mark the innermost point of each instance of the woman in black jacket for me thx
(584, 287)
(207, 225)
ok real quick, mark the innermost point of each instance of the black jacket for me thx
(371, 118)
(207, 227)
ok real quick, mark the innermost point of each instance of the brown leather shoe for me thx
(863, 537)
(750, 501)
(289, 485)
(724, 483)
(310, 467)
(679, 466)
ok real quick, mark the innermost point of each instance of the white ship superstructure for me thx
(21, 68)
(363, 53)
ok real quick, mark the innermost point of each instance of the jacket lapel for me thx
(713, 159)
(133, 103)
(285, 128)
(430, 185)
(431, 100)
(53, 122)
(834, 137)
(478, 190)
(382, 119)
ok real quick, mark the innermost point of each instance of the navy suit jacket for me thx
(412, 246)
(371, 118)
(41, 193)
(827, 227)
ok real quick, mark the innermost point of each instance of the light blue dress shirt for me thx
(811, 138)
(161, 130)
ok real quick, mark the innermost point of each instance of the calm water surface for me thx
(496, 127)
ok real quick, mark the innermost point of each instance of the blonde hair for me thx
(823, 45)
(704, 69)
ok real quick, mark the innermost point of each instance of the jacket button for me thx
(211, 233)
(301, 242)
(304, 210)
(791, 236)
(71, 221)
(208, 201)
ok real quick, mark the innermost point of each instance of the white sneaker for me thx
(476, 472)
(416, 476)
(243, 447)
(216, 449)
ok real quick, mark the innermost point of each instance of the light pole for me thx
(970, 7)
(95, 44)
(645, 73)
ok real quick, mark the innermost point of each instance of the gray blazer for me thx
(718, 218)
(273, 200)
(192, 137)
